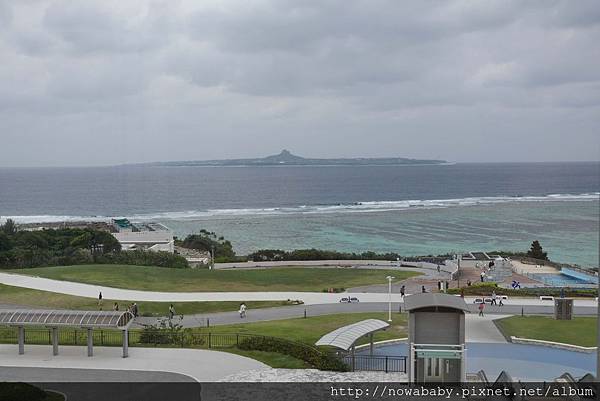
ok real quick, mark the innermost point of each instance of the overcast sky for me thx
(110, 82)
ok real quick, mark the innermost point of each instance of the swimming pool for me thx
(524, 362)
(564, 280)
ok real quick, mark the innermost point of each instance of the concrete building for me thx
(436, 337)
(148, 236)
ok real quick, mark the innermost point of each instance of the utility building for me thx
(436, 338)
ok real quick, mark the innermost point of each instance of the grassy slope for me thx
(164, 279)
(581, 331)
(36, 298)
(309, 330)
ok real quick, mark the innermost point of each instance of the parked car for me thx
(349, 300)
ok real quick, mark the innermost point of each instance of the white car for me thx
(349, 300)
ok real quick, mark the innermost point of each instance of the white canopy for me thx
(345, 337)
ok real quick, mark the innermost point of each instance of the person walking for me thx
(242, 310)
(134, 309)
(116, 307)
(481, 306)
(402, 291)
(500, 303)
(423, 290)
(482, 275)
(493, 298)
(171, 311)
(100, 299)
(438, 268)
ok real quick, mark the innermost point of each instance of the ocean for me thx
(412, 210)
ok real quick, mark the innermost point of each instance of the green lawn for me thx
(309, 330)
(182, 280)
(273, 359)
(36, 298)
(581, 331)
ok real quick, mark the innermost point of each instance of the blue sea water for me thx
(407, 209)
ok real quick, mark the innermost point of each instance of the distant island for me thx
(285, 158)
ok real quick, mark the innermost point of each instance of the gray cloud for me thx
(157, 80)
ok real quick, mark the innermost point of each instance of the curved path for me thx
(309, 298)
(199, 365)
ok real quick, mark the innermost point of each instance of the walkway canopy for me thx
(69, 318)
(345, 337)
(88, 320)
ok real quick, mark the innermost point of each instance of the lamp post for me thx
(458, 257)
(390, 278)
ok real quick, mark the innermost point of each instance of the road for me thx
(290, 312)
(309, 298)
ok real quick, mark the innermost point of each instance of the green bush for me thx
(312, 356)
(487, 288)
(144, 258)
(265, 255)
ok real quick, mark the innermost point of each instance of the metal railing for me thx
(183, 339)
(374, 363)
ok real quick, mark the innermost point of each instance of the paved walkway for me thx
(200, 365)
(309, 298)
(291, 312)
(33, 375)
(482, 329)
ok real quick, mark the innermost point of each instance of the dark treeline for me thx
(71, 246)
(264, 255)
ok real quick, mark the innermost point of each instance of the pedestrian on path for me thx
(242, 310)
(100, 299)
(493, 298)
(423, 290)
(134, 309)
(116, 307)
(481, 306)
(402, 291)
(482, 275)
(171, 312)
(438, 268)
(500, 303)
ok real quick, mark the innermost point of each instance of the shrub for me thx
(311, 355)
(489, 287)
(144, 258)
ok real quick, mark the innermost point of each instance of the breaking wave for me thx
(355, 207)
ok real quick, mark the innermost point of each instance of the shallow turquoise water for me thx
(568, 230)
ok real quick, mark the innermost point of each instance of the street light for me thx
(390, 278)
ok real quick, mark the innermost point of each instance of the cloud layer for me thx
(108, 82)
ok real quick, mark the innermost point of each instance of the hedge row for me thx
(310, 355)
(489, 287)
(144, 258)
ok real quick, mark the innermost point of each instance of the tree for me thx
(98, 242)
(5, 243)
(537, 252)
(9, 227)
(207, 241)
